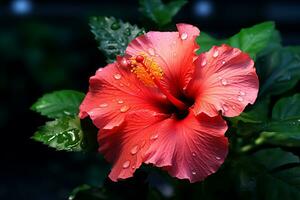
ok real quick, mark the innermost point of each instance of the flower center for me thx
(150, 73)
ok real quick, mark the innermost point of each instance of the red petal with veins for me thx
(173, 51)
(224, 80)
(114, 92)
(191, 148)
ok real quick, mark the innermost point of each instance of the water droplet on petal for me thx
(126, 164)
(154, 137)
(242, 93)
(120, 101)
(239, 98)
(124, 108)
(194, 173)
(121, 84)
(117, 76)
(225, 107)
(218, 158)
(194, 154)
(103, 105)
(133, 167)
(203, 63)
(216, 53)
(100, 70)
(224, 81)
(184, 36)
(223, 62)
(151, 51)
(134, 150)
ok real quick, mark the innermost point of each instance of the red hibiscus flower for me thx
(161, 104)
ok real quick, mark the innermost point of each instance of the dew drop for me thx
(242, 93)
(224, 81)
(115, 26)
(225, 107)
(133, 167)
(103, 105)
(121, 84)
(124, 108)
(194, 173)
(117, 76)
(151, 51)
(126, 164)
(134, 150)
(154, 137)
(239, 98)
(100, 70)
(216, 53)
(194, 154)
(120, 101)
(203, 63)
(218, 158)
(184, 36)
(223, 62)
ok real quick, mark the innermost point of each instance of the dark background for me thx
(47, 46)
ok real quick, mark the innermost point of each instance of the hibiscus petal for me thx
(225, 80)
(173, 51)
(114, 92)
(191, 148)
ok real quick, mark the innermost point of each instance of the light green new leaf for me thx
(59, 104)
(159, 12)
(113, 35)
(62, 134)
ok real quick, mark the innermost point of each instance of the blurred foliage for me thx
(159, 12)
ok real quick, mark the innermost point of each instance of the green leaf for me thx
(279, 72)
(254, 39)
(268, 174)
(113, 35)
(159, 12)
(62, 134)
(287, 108)
(284, 184)
(277, 183)
(275, 157)
(206, 42)
(59, 104)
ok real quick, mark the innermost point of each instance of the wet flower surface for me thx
(161, 104)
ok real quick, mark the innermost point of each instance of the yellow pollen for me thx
(146, 71)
